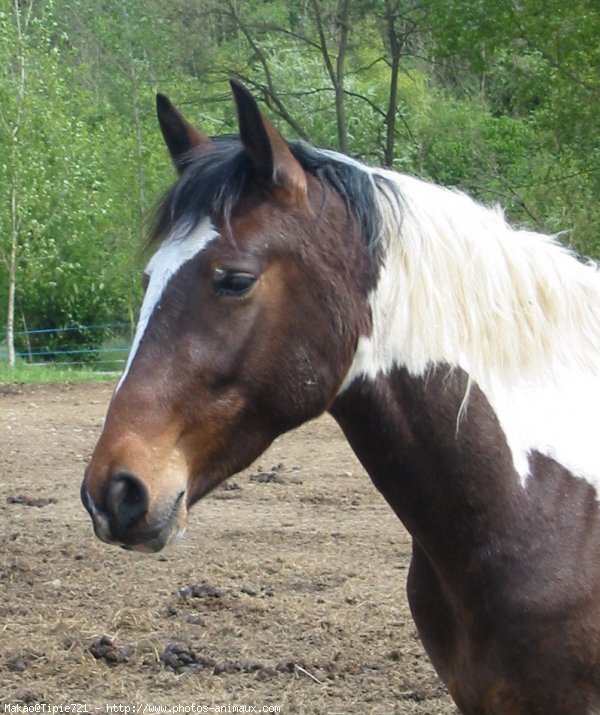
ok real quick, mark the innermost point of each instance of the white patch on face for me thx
(176, 250)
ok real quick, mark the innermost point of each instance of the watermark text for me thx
(113, 708)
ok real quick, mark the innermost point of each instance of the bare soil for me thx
(288, 590)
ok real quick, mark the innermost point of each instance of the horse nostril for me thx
(127, 501)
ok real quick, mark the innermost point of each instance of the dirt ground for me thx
(288, 590)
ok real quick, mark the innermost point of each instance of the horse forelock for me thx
(217, 178)
(210, 187)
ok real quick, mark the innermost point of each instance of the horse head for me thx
(253, 307)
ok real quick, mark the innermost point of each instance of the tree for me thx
(60, 252)
(14, 29)
(535, 62)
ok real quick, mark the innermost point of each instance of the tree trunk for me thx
(395, 52)
(22, 13)
(336, 73)
(340, 103)
(139, 147)
(12, 273)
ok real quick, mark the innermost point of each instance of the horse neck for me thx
(446, 471)
(458, 286)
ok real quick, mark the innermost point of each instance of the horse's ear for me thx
(268, 149)
(180, 136)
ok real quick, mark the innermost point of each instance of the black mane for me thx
(216, 179)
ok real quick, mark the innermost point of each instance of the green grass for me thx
(106, 368)
(32, 374)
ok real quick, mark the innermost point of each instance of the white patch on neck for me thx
(514, 310)
(558, 417)
(178, 248)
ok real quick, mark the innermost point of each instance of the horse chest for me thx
(516, 653)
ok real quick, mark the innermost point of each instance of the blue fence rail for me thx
(39, 347)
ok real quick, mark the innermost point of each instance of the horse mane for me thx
(217, 177)
(462, 286)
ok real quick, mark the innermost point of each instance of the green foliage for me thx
(537, 61)
(74, 212)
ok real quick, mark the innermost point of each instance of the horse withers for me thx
(459, 356)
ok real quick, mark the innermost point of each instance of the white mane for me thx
(516, 310)
(473, 289)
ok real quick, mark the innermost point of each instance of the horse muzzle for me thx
(124, 514)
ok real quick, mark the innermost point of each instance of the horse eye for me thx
(234, 283)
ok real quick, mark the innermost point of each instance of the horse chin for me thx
(154, 546)
(166, 530)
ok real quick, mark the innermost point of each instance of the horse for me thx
(458, 354)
